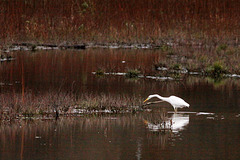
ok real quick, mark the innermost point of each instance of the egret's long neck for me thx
(160, 97)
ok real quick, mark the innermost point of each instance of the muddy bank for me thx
(66, 45)
(62, 46)
(72, 112)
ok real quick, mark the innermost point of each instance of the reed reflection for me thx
(121, 136)
(90, 137)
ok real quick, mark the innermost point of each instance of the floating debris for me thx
(183, 112)
(119, 74)
(139, 76)
(5, 84)
(195, 73)
(204, 113)
(211, 118)
(233, 75)
(162, 68)
(159, 78)
(7, 59)
(38, 137)
(112, 73)
(45, 48)
(78, 111)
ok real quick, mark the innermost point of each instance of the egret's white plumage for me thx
(175, 101)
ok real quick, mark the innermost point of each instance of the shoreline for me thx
(78, 46)
(220, 62)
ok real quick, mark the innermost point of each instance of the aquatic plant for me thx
(28, 114)
(99, 72)
(221, 47)
(176, 67)
(217, 70)
(132, 73)
(166, 48)
(33, 47)
(176, 76)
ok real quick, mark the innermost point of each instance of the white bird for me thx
(176, 102)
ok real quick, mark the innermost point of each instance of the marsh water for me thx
(209, 129)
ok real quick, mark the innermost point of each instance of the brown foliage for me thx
(114, 20)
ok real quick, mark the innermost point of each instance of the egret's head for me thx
(145, 100)
(149, 97)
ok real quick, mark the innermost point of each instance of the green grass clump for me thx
(165, 48)
(132, 73)
(221, 47)
(34, 47)
(99, 72)
(28, 113)
(217, 70)
(176, 67)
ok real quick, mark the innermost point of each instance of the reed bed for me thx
(202, 60)
(17, 106)
(139, 21)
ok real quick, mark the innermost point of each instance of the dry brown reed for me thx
(149, 21)
(12, 105)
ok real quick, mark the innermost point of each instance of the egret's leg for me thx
(175, 110)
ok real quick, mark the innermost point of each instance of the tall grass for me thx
(120, 21)
(12, 105)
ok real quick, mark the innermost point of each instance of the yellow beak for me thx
(145, 100)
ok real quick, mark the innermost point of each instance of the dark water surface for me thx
(209, 129)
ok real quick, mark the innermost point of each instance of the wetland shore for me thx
(211, 60)
(173, 65)
(199, 38)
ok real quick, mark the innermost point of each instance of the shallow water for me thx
(123, 137)
(209, 129)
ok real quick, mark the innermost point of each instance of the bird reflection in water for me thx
(163, 125)
(162, 122)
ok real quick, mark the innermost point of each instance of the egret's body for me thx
(176, 102)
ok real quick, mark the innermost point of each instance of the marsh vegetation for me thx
(52, 104)
(142, 21)
(40, 84)
(70, 69)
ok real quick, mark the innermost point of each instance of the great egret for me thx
(176, 102)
